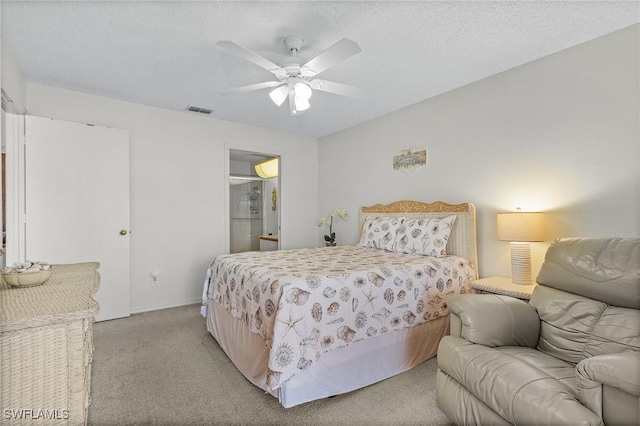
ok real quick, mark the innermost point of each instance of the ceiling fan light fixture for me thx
(302, 91)
(302, 104)
(302, 94)
(296, 76)
(278, 95)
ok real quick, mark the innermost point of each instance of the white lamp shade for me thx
(302, 103)
(302, 91)
(521, 226)
(302, 96)
(279, 94)
(267, 169)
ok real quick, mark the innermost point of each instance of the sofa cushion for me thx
(574, 327)
(562, 371)
(567, 322)
(607, 270)
(520, 392)
(600, 377)
(618, 330)
(461, 406)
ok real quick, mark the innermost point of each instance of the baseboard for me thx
(166, 306)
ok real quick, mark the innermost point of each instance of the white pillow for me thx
(380, 232)
(426, 237)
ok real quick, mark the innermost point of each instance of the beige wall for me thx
(178, 186)
(559, 135)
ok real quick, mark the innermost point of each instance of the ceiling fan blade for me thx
(250, 87)
(340, 51)
(250, 56)
(337, 88)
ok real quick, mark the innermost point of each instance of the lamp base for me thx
(521, 263)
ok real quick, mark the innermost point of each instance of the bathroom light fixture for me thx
(267, 169)
(520, 228)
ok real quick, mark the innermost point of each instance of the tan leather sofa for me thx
(571, 356)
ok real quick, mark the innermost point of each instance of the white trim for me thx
(197, 300)
(15, 145)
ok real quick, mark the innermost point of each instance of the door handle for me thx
(123, 232)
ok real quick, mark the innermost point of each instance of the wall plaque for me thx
(410, 159)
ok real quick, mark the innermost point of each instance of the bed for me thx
(311, 323)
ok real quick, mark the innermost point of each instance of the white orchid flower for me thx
(328, 220)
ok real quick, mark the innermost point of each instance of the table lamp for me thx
(520, 228)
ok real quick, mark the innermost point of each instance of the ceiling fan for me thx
(297, 81)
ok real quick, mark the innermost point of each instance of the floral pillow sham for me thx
(380, 232)
(426, 237)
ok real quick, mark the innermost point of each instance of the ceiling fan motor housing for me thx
(293, 43)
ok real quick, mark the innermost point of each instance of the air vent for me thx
(199, 110)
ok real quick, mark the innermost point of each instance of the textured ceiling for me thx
(164, 53)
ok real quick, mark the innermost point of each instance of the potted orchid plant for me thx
(330, 238)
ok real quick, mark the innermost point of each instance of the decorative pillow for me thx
(380, 232)
(426, 237)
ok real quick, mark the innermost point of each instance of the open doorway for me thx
(254, 189)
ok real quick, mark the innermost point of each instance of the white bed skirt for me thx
(339, 371)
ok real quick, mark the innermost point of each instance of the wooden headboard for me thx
(462, 240)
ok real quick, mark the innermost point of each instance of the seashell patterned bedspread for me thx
(308, 301)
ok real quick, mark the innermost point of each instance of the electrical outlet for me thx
(154, 278)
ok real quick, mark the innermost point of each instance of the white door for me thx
(77, 202)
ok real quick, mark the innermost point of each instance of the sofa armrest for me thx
(620, 371)
(494, 320)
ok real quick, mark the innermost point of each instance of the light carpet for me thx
(164, 368)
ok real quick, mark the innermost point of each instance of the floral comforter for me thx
(308, 301)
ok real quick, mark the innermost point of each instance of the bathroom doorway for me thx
(254, 188)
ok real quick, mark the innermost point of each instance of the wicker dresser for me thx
(46, 347)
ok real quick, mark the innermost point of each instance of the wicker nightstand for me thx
(503, 285)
